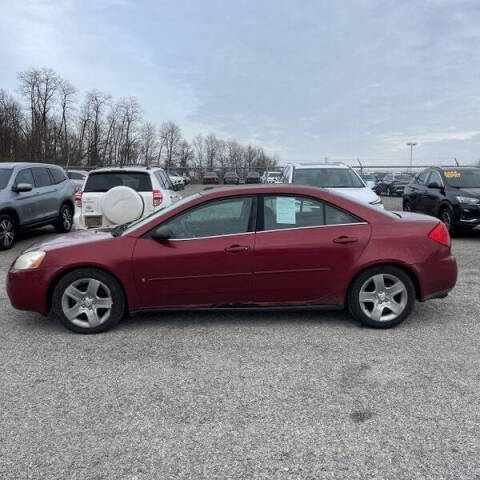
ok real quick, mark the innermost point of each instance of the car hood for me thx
(74, 238)
(363, 195)
(472, 192)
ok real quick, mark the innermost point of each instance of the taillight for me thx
(78, 199)
(157, 198)
(440, 235)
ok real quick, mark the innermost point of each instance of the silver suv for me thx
(33, 195)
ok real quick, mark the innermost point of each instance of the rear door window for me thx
(42, 177)
(285, 212)
(104, 181)
(422, 177)
(58, 175)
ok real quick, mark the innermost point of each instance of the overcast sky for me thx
(305, 79)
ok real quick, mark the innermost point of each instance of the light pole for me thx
(411, 145)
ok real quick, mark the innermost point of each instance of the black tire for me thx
(447, 217)
(354, 304)
(8, 231)
(115, 290)
(65, 219)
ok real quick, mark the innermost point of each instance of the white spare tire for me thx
(122, 204)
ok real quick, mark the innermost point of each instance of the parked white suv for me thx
(337, 177)
(115, 195)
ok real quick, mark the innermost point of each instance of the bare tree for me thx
(185, 154)
(148, 137)
(171, 135)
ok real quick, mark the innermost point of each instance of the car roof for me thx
(27, 164)
(305, 165)
(126, 169)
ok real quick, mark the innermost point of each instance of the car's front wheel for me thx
(88, 300)
(65, 219)
(381, 297)
(7, 232)
(447, 217)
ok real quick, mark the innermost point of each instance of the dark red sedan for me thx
(250, 246)
(210, 177)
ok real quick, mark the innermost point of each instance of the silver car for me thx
(33, 195)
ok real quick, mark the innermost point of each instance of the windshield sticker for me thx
(452, 174)
(286, 210)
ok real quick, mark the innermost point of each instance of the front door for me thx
(304, 251)
(208, 262)
(26, 201)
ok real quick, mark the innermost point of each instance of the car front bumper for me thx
(27, 290)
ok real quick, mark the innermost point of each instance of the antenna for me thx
(456, 162)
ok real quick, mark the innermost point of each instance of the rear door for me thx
(209, 262)
(100, 182)
(417, 191)
(304, 250)
(433, 196)
(47, 197)
(26, 201)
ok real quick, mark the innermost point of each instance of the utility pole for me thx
(411, 145)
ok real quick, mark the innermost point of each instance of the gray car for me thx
(33, 195)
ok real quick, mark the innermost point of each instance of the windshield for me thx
(130, 227)
(5, 174)
(464, 178)
(104, 181)
(328, 178)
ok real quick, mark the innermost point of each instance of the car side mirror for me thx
(22, 187)
(434, 185)
(162, 234)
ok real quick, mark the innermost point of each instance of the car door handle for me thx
(237, 248)
(344, 240)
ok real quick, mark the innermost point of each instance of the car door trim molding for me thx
(315, 226)
(210, 236)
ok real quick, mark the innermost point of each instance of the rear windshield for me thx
(463, 178)
(253, 174)
(404, 177)
(328, 178)
(104, 181)
(5, 174)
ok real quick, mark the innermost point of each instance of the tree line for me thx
(45, 122)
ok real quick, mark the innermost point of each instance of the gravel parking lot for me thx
(283, 395)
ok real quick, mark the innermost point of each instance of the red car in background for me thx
(250, 246)
(211, 177)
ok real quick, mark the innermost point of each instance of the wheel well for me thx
(69, 203)
(13, 214)
(407, 270)
(60, 275)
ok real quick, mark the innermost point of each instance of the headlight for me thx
(469, 200)
(29, 260)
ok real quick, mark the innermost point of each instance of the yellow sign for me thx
(452, 174)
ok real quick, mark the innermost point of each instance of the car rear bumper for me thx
(437, 278)
(27, 290)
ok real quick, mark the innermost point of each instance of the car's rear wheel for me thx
(381, 297)
(88, 300)
(65, 219)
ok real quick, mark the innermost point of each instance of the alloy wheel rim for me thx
(7, 233)
(383, 297)
(447, 220)
(87, 303)
(67, 218)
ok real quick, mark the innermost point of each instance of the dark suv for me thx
(451, 194)
(33, 195)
